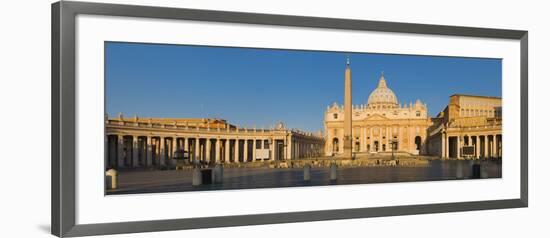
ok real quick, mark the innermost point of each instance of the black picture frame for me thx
(64, 132)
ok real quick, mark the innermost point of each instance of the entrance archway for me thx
(418, 142)
(335, 145)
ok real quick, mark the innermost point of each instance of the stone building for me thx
(143, 142)
(377, 124)
(470, 126)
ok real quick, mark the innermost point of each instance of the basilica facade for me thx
(469, 127)
(378, 125)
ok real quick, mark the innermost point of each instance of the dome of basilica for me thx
(382, 95)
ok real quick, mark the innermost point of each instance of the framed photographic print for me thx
(167, 118)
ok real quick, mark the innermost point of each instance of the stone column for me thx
(245, 151)
(478, 140)
(365, 141)
(494, 153)
(486, 146)
(293, 150)
(174, 147)
(499, 148)
(289, 147)
(457, 146)
(399, 138)
(295, 153)
(120, 151)
(168, 148)
(149, 152)
(329, 142)
(366, 135)
(340, 143)
(208, 149)
(186, 145)
(362, 138)
(254, 150)
(443, 142)
(388, 138)
(227, 150)
(371, 140)
(237, 150)
(272, 149)
(446, 145)
(106, 152)
(411, 139)
(135, 151)
(162, 151)
(296, 148)
(196, 154)
(301, 148)
(218, 141)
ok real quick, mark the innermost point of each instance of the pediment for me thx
(376, 117)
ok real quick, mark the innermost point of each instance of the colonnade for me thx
(133, 143)
(306, 150)
(485, 145)
(137, 148)
(139, 151)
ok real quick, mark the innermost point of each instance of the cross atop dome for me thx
(382, 81)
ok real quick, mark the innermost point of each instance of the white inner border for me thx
(93, 207)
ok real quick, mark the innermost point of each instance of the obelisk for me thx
(347, 112)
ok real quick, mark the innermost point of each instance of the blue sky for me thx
(259, 87)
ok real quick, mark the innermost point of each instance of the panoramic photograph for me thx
(184, 118)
